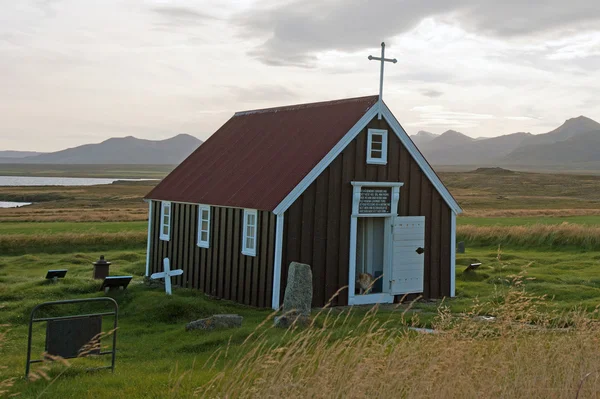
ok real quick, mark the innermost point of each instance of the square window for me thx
(377, 146)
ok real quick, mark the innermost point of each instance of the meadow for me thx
(525, 324)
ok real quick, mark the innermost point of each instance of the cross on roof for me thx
(167, 274)
(383, 60)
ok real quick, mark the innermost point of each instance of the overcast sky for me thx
(80, 71)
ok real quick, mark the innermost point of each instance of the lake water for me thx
(13, 181)
(57, 181)
(10, 204)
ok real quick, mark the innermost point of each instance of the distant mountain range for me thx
(116, 151)
(575, 144)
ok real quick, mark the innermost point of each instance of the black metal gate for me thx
(67, 335)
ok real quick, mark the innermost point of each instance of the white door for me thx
(408, 258)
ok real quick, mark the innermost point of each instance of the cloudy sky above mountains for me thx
(81, 71)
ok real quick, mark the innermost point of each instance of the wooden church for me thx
(338, 185)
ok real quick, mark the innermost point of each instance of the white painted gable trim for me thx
(343, 143)
(420, 159)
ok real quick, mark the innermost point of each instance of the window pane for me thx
(167, 210)
(250, 231)
(204, 225)
(205, 214)
(250, 243)
(165, 220)
(376, 146)
(251, 219)
(204, 236)
(375, 154)
(165, 231)
(376, 138)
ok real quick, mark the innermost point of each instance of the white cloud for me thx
(72, 72)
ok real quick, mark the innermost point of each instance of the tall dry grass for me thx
(539, 235)
(492, 213)
(522, 353)
(26, 214)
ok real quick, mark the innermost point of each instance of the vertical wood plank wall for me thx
(222, 270)
(317, 225)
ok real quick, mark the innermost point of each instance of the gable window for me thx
(204, 226)
(165, 221)
(377, 147)
(249, 232)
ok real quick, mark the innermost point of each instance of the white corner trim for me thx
(418, 157)
(278, 260)
(326, 161)
(384, 146)
(149, 238)
(452, 254)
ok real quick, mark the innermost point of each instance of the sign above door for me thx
(375, 200)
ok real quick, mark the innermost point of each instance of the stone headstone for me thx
(461, 247)
(297, 299)
(218, 321)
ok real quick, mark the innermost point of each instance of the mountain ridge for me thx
(119, 150)
(572, 142)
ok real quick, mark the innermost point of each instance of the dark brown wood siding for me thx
(222, 270)
(317, 225)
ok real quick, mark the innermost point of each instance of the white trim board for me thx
(343, 143)
(149, 238)
(278, 260)
(453, 255)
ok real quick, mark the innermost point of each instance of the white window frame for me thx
(203, 243)
(163, 206)
(246, 248)
(384, 146)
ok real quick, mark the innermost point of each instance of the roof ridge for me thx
(304, 105)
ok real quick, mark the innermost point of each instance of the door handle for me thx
(420, 250)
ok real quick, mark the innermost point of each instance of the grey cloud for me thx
(262, 93)
(304, 27)
(179, 15)
(431, 93)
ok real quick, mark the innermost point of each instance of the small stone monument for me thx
(298, 296)
(461, 247)
(101, 268)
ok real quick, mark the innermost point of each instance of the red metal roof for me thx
(257, 157)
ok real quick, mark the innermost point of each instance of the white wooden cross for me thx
(167, 274)
(383, 60)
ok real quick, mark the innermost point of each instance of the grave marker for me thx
(167, 274)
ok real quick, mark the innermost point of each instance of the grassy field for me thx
(107, 171)
(158, 358)
(536, 235)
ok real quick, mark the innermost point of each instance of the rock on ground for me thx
(219, 321)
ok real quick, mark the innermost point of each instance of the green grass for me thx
(569, 277)
(47, 228)
(528, 221)
(154, 349)
(153, 346)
